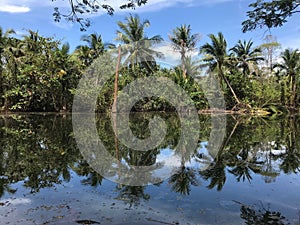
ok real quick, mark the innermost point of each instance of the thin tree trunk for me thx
(293, 99)
(114, 106)
(183, 60)
(228, 84)
(183, 67)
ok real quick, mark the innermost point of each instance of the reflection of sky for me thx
(70, 201)
(204, 160)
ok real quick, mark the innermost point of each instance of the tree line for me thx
(40, 73)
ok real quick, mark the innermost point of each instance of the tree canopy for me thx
(269, 14)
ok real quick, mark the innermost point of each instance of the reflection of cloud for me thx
(17, 201)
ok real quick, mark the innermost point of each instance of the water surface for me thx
(252, 179)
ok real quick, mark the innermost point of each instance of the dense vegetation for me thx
(40, 73)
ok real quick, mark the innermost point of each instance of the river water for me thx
(243, 170)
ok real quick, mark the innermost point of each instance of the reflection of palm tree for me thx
(261, 216)
(243, 166)
(84, 169)
(216, 171)
(183, 179)
(216, 174)
(132, 195)
(291, 158)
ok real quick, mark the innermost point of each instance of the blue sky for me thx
(204, 16)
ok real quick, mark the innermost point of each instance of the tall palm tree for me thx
(291, 68)
(183, 42)
(246, 56)
(217, 57)
(137, 44)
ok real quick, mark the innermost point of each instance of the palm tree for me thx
(84, 54)
(137, 44)
(184, 42)
(246, 56)
(217, 57)
(31, 41)
(96, 44)
(291, 68)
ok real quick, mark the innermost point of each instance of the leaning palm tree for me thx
(217, 57)
(246, 56)
(183, 42)
(291, 68)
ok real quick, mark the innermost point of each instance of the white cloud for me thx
(24, 6)
(172, 57)
(13, 8)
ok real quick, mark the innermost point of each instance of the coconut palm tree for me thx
(217, 57)
(84, 54)
(137, 44)
(183, 42)
(31, 42)
(96, 45)
(246, 56)
(290, 67)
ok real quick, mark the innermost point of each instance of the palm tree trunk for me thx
(228, 84)
(293, 99)
(183, 67)
(114, 106)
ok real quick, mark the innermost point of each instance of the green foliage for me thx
(269, 13)
(38, 74)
